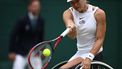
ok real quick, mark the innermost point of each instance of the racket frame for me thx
(56, 40)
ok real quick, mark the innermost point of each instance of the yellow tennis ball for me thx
(46, 52)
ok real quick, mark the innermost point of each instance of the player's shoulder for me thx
(67, 11)
(100, 15)
(100, 12)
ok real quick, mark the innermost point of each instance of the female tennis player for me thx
(88, 25)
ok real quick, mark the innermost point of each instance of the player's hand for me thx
(12, 56)
(72, 33)
(86, 63)
(72, 26)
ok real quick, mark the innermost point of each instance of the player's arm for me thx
(68, 20)
(100, 31)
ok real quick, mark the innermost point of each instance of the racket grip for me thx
(65, 32)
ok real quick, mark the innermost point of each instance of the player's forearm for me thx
(72, 33)
(97, 45)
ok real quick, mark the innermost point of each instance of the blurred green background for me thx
(52, 11)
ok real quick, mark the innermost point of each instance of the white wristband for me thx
(90, 56)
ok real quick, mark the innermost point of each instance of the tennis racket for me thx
(96, 65)
(36, 59)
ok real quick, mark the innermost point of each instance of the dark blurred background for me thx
(52, 13)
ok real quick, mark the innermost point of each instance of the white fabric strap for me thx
(95, 9)
(90, 56)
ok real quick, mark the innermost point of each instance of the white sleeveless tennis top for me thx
(86, 28)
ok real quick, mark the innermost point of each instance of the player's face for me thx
(78, 5)
(34, 7)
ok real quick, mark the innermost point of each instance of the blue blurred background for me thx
(52, 13)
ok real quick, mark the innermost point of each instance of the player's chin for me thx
(79, 10)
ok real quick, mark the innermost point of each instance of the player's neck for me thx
(84, 9)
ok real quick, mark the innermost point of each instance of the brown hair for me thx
(31, 1)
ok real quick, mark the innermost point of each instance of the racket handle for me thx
(65, 32)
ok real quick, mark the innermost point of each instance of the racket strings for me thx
(36, 58)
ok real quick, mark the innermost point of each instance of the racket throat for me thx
(57, 41)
